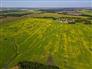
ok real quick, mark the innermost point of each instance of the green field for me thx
(86, 12)
(69, 46)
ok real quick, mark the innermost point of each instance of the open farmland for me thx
(68, 46)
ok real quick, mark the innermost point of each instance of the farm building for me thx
(66, 20)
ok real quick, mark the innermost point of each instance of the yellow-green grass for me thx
(32, 39)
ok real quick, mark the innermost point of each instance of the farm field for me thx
(68, 46)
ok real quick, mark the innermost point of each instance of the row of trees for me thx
(34, 65)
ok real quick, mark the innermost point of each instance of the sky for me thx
(45, 3)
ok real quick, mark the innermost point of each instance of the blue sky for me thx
(46, 3)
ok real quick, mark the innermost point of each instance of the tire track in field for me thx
(82, 39)
(83, 44)
(45, 45)
(56, 45)
(65, 46)
(27, 40)
(73, 39)
(87, 34)
(31, 25)
(65, 39)
(65, 56)
(50, 47)
(71, 52)
(23, 29)
(60, 38)
(19, 54)
(83, 48)
(33, 32)
(56, 39)
(50, 40)
(34, 40)
(36, 44)
(79, 38)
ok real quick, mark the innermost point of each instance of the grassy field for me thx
(69, 46)
(86, 12)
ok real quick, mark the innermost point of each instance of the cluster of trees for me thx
(34, 65)
(84, 21)
(69, 20)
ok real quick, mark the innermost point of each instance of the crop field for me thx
(68, 46)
